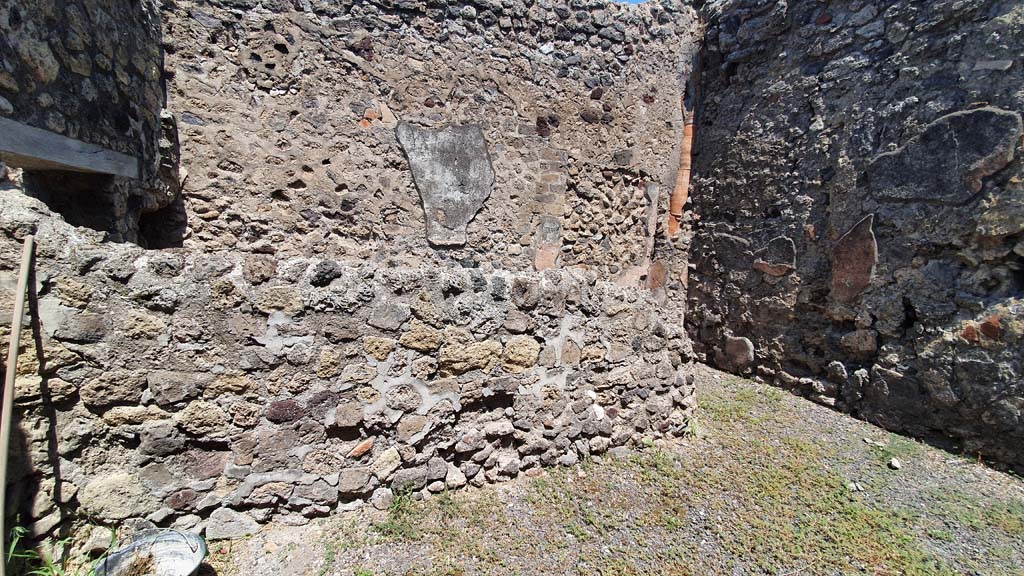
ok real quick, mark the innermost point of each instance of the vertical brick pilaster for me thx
(549, 208)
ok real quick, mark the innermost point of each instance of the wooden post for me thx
(8, 400)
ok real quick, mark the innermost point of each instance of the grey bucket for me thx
(170, 553)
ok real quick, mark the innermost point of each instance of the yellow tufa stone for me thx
(521, 353)
(142, 326)
(201, 418)
(28, 386)
(420, 337)
(127, 415)
(74, 292)
(331, 362)
(28, 359)
(367, 394)
(239, 384)
(225, 295)
(284, 298)
(593, 353)
(462, 353)
(378, 347)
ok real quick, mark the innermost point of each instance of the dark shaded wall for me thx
(861, 209)
(93, 71)
(86, 69)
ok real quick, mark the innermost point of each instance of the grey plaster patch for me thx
(453, 173)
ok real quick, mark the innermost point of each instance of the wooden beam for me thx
(24, 146)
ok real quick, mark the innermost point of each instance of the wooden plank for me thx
(24, 146)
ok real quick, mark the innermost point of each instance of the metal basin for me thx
(159, 552)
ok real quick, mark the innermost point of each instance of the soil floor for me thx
(768, 483)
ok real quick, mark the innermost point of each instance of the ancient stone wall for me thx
(220, 390)
(290, 115)
(416, 247)
(423, 240)
(86, 69)
(82, 106)
(859, 205)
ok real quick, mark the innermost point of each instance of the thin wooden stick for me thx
(12, 372)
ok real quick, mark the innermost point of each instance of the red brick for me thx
(992, 327)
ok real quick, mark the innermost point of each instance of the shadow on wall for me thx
(164, 228)
(35, 484)
(889, 284)
(148, 212)
(110, 204)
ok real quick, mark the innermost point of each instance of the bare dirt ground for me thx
(767, 484)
